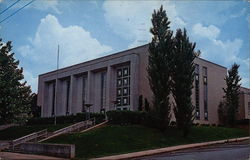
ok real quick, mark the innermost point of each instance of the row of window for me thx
(123, 86)
(197, 92)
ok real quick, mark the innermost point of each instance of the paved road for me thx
(231, 151)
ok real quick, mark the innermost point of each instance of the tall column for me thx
(72, 106)
(134, 76)
(57, 98)
(89, 88)
(109, 97)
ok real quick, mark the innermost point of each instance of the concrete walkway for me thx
(168, 149)
(17, 156)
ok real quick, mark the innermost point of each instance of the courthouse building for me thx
(116, 81)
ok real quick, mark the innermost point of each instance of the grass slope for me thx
(19, 131)
(116, 139)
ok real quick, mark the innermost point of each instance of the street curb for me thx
(168, 149)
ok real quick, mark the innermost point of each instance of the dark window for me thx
(119, 73)
(123, 86)
(119, 92)
(125, 81)
(197, 94)
(125, 91)
(125, 101)
(248, 108)
(125, 72)
(119, 102)
(204, 72)
(119, 82)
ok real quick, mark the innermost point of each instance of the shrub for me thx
(124, 117)
(66, 119)
(148, 119)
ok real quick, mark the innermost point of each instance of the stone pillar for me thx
(57, 97)
(89, 88)
(109, 91)
(72, 106)
(134, 76)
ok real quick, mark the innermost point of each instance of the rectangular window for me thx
(197, 94)
(123, 86)
(67, 97)
(204, 72)
(248, 108)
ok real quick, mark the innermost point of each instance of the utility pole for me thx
(57, 67)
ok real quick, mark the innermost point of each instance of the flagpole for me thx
(57, 67)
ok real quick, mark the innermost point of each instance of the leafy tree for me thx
(182, 80)
(232, 92)
(14, 94)
(160, 64)
(35, 110)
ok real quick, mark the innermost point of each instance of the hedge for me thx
(133, 117)
(66, 119)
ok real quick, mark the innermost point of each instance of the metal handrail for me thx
(75, 126)
(29, 137)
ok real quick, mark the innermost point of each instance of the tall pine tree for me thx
(14, 94)
(160, 64)
(183, 77)
(232, 92)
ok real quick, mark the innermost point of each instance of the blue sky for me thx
(87, 29)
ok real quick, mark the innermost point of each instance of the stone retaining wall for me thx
(57, 150)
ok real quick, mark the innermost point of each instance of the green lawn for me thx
(19, 131)
(116, 139)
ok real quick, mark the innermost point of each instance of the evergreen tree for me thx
(14, 94)
(35, 110)
(160, 64)
(182, 78)
(232, 92)
(146, 105)
(140, 103)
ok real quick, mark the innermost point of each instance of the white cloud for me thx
(210, 32)
(223, 52)
(132, 20)
(76, 45)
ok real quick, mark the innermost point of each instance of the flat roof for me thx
(106, 56)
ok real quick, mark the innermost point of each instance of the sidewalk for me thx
(17, 156)
(168, 149)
